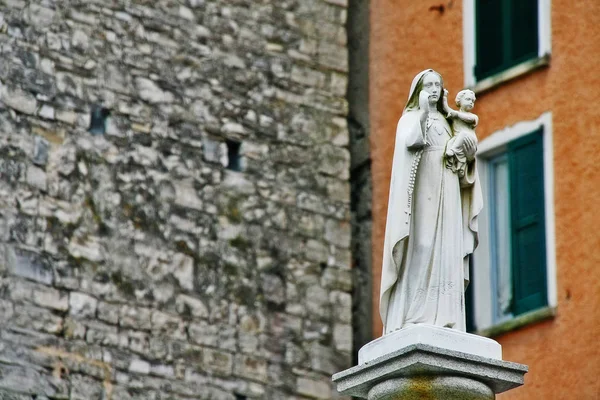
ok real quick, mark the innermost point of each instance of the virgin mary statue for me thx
(431, 225)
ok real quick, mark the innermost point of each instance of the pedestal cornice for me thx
(421, 360)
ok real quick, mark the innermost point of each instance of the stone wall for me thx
(195, 243)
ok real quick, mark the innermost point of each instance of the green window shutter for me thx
(489, 36)
(526, 166)
(506, 34)
(524, 30)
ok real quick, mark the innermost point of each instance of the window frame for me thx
(469, 49)
(484, 307)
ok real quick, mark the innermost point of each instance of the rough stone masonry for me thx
(192, 239)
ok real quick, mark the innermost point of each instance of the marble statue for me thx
(435, 199)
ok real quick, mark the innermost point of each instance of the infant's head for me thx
(465, 100)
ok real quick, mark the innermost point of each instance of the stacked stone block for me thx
(198, 247)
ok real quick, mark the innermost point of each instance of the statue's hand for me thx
(470, 146)
(445, 102)
(424, 100)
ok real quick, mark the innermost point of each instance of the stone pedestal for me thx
(426, 362)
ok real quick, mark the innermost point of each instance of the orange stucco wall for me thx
(564, 353)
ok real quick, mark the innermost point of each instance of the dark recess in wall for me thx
(360, 174)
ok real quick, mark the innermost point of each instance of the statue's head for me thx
(465, 99)
(430, 81)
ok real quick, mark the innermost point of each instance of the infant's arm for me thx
(467, 117)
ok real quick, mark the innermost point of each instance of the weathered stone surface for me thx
(203, 333)
(40, 155)
(139, 367)
(338, 233)
(251, 368)
(199, 246)
(188, 305)
(26, 264)
(18, 99)
(437, 387)
(148, 90)
(218, 362)
(183, 270)
(342, 337)
(108, 312)
(51, 298)
(36, 178)
(313, 388)
(135, 317)
(82, 305)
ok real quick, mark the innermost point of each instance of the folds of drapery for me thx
(410, 140)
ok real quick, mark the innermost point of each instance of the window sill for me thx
(511, 73)
(519, 322)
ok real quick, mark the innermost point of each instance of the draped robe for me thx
(429, 234)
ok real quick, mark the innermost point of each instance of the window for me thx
(503, 39)
(233, 155)
(516, 193)
(506, 34)
(513, 269)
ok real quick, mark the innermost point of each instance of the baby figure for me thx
(463, 125)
